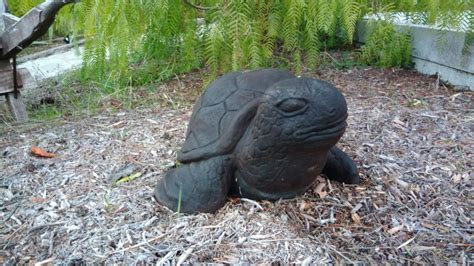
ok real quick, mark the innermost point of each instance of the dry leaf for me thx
(234, 200)
(355, 218)
(304, 205)
(454, 96)
(115, 103)
(258, 237)
(401, 183)
(319, 189)
(428, 225)
(49, 261)
(42, 153)
(399, 122)
(395, 229)
(38, 200)
(456, 178)
(406, 243)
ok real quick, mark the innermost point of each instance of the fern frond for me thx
(326, 16)
(469, 40)
(291, 21)
(273, 25)
(311, 35)
(240, 33)
(350, 15)
(387, 47)
(213, 46)
(274, 20)
(256, 56)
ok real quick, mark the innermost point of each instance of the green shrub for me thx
(387, 47)
(132, 42)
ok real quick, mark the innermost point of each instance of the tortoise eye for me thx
(291, 105)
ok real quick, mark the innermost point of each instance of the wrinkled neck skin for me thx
(274, 161)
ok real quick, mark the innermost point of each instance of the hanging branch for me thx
(199, 7)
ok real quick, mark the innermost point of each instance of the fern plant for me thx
(20, 7)
(249, 34)
(387, 47)
(66, 22)
(133, 42)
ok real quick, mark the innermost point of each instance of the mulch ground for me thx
(411, 137)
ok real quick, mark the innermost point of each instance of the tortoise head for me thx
(302, 111)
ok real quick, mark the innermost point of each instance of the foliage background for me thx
(130, 42)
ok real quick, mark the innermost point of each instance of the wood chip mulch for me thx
(411, 137)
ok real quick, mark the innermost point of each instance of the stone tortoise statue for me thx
(263, 135)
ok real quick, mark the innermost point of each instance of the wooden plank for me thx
(3, 9)
(23, 30)
(9, 19)
(30, 27)
(27, 81)
(16, 106)
(6, 80)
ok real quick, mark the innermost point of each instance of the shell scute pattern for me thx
(216, 109)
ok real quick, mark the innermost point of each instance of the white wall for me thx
(437, 51)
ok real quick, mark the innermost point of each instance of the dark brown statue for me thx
(262, 134)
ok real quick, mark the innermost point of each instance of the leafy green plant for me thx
(136, 42)
(20, 7)
(122, 36)
(346, 60)
(387, 47)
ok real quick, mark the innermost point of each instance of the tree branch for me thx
(200, 7)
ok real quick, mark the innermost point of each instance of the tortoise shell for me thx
(223, 112)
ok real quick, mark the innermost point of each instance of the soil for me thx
(411, 137)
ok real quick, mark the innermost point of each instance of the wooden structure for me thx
(15, 35)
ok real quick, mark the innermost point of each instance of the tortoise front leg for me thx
(203, 186)
(340, 167)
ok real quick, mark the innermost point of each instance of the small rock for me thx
(10, 261)
(166, 136)
(138, 218)
(6, 194)
(76, 262)
(64, 205)
(8, 152)
(53, 215)
(242, 240)
(45, 243)
(462, 88)
(121, 172)
(39, 221)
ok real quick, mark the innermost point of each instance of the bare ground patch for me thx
(412, 139)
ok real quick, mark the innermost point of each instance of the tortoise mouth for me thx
(316, 133)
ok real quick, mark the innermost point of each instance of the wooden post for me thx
(14, 100)
(15, 35)
(17, 107)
